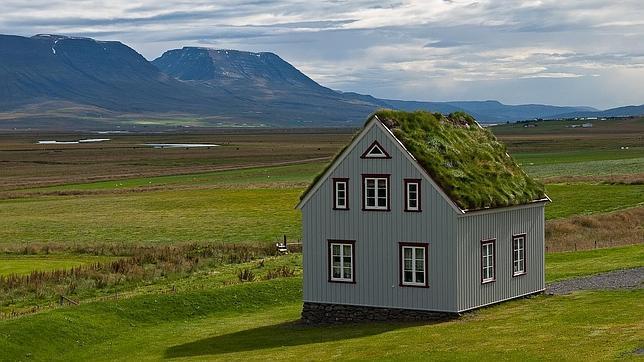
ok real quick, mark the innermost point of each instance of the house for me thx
(420, 216)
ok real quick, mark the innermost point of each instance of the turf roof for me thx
(468, 163)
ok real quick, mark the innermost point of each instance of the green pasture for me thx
(252, 205)
(584, 199)
(599, 162)
(218, 214)
(258, 321)
(567, 265)
(577, 156)
(256, 176)
(25, 264)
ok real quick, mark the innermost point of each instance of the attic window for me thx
(375, 151)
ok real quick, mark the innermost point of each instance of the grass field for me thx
(24, 264)
(584, 199)
(124, 194)
(566, 265)
(253, 205)
(207, 321)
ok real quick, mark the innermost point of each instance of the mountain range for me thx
(53, 81)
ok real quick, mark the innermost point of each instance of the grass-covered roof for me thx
(468, 163)
(471, 166)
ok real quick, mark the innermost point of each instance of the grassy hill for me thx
(258, 321)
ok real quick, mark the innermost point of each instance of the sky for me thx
(559, 52)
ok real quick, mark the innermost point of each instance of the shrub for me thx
(246, 275)
(280, 272)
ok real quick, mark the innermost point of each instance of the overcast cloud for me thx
(557, 52)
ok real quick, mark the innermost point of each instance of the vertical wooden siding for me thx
(501, 226)
(377, 235)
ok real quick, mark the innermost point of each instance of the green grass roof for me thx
(468, 163)
(471, 166)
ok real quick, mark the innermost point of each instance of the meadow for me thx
(173, 250)
(205, 318)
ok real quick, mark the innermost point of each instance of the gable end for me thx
(375, 122)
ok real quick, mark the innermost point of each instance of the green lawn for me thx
(616, 167)
(206, 319)
(24, 264)
(584, 199)
(256, 321)
(571, 264)
(218, 214)
(578, 156)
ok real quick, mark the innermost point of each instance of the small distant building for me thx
(420, 217)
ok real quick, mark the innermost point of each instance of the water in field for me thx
(86, 140)
(179, 145)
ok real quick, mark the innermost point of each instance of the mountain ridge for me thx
(58, 79)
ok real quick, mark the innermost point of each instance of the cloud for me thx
(419, 49)
(445, 44)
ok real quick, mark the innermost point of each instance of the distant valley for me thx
(59, 82)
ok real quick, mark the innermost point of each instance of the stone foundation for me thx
(323, 313)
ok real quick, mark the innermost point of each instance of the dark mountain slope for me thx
(490, 111)
(276, 86)
(99, 73)
(63, 80)
(625, 111)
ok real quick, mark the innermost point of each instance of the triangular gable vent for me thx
(375, 151)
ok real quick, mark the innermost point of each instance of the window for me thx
(340, 193)
(341, 261)
(518, 254)
(488, 257)
(412, 195)
(375, 192)
(375, 151)
(413, 264)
